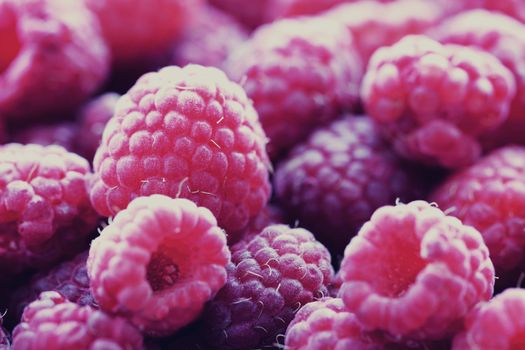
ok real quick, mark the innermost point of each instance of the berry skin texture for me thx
(374, 24)
(503, 37)
(210, 40)
(61, 134)
(45, 213)
(497, 324)
(269, 279)
(48, 47)
(70, 279)
(490, 196)
(184, 132)
(158, 262)
(334, 181)
(137, 30)
(413, 271)
(434, 102)
(300, 73)
(92, 119)
(52, 322)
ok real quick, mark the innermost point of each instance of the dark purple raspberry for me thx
(269, 279)
(334, 181)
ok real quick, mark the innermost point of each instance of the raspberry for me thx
(70, 279)
(251, 16)
(135, 30)
(374, 24)
(92, 119)
(45, 213)
(503, 37)
(61, 134)
(434, 101)
(413, 271)
(512, 8)
(269, 215)
(52, 322)
(490, 196)
(48, 47)
(209, 42)
(158, 262)
(302, 80)
(335, 180)
(4, 338)
(184, 132)
(269, 279)
(497, 324)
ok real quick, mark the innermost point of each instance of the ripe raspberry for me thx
(135, 30)
(92, 119)
(269, 279)
(335, 180)
(251, 16)
(512, 8)
(184, 132)
(291, 8)
(52, 58)
(52, 322)
(490, 196)
(413, 271)
(374, 24)
(269, 215)
(434, 101)
(210, 40)
(503, 37)
(497, 324)
(302, 80)
(158, 262)
(45, 212)
(61, 134)
(70, 279)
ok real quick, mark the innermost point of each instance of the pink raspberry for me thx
(300, 73)
(434, 102)
(503, 37)
(158, 262)
(374, 24)
(52, 58)
(61, 134)
(70, 279)
(413, 271)
(490, 196)
(135, 30)
(512, 8)
(52, 322)
(269, 279)
(45, 212)
(184, 132)
(210, 40)
(92, 119)
(252, 15)
(497, 324)
(334, 181)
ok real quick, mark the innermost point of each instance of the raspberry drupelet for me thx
(53, 322)
(52, 58)
(158, 263)
(137, 30)
(414, 272)
(434, 102)
(92, 119)
(300, 73)
(269, 279)
(184, 132)
(490, 196)
(45, 213)
(334, 181)
(503, 37)
(497, 324)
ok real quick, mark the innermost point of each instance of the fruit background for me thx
(264, 174)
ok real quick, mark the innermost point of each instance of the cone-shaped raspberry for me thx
(413, 271)
(434, 102)
(184, 132)
(158, 262)
(269, 279)
(52, 322)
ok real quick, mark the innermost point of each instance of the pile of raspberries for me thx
(263, 174)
